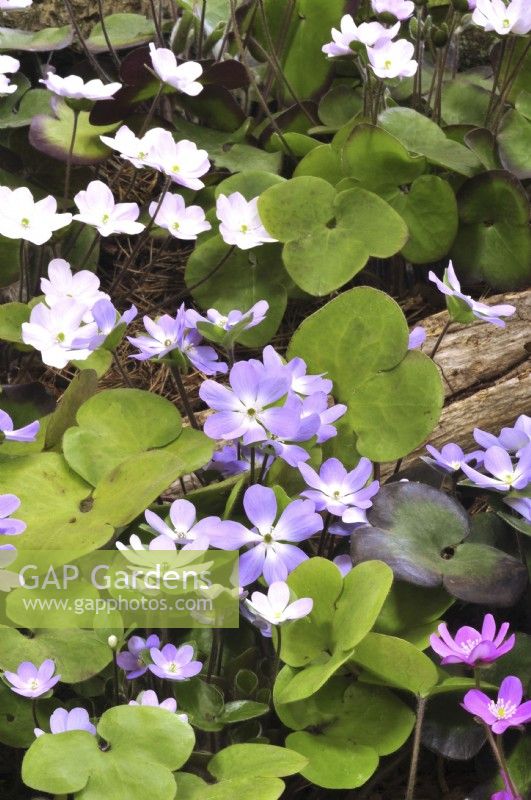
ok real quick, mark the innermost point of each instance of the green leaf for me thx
(52, 135)
(255, 760)
(333, 764)
(9, 265)
(322, 162)
(250, 183)
(290, 210)
(514, 142)
(245, 276)
(16, 718)
(242, 710)
(18, 109)
(408, 606)
(396, 662)
(464, 101)
(364, 591)
(340, 104)
(99, 361)
(82, 386)
(124, 30)
(12, 315)
(423, 136)
(429, 210)
(108, 430)
(43, 41)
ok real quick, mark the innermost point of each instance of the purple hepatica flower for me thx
(271, 550)
(135, 659)
(31, 681)
(301, 383)
(185, 530)
(149, 698)
(275, 606)
(507, 793)
(506, 712)
(450, 458)
(452, 288)
(417, 337)
(507, 476)
(203, 357)
(246, 409)
(343, 563)
(471, 647)
(317, 403)
(244, 320)
(26, 434)
(9, 503)
(340, 492)
(285, 448)
(63, 721)
(174, 664)
(511, 439)
(522, 505)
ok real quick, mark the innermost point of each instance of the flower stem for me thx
(90, 57)
(440, 339)
(68, 171)
(278, 648)
(421, 708)
(149, 115)
(90, 250)
(106, 36)
(156, 21)
(253, 465)
(34, 712)
(324, 534)
(115, 679)
(177, 377)
(497, 751)
(263, 468)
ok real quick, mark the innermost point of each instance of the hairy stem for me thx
(90, 57)
(421, 708)
(68, 171)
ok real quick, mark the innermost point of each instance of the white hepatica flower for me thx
(8, 64)
(494, 15)
(75, 88)
(97, 207)
(183, 77)
(132, 148)
(392, 59)
(180, 221)
(401, 9)
(14, 5)
(240, 221)
(368, 33)
(181, 161)
(275, 606)
(54, 331)
(23, 218)
(63, 285)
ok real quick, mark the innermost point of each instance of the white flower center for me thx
(469, 645)
(503, 709)
(509, 477)
(172, 667)
(33, 684)
(167, 342)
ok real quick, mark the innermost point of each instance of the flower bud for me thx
(112, 641)
(439, 35)
(461, 5)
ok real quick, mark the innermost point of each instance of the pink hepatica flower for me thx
(392, 59)
(57, 332)
(174, 663)
(506, 711)
(63, 285)
(180, 221)
(184, 528)
(136, 150)
(241, 225)
(495, 15)
(31, 681)
(136, 658)
(23, 218)
(505, 474)
(181, 161)
(275, 606)
(97, 207)
(451, 287)
(74, 87)
(471, 647)
(63, 721)
(183, 77)
(401, 9)
(272, 549)
(344, 494)
(9, 503)
(368, 33)
(26, 434)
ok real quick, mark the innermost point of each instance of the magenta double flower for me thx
(472, 647)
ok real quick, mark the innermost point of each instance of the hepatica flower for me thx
(9, 503)
(241, 225)
(522, 505)
(174, 663)
(8, 64)
(97, 207)
(136, 658)
(57, 332)
(471, 647)
(74, 88)
(180, 221)
(181, 161)
(183, 77)
(272, 543)
(450, 458)
(63, 721)
(149, 698)
(467, 308)
(63, 285)
(368, 33)
(339, 492)
(504, 475)
(31, 681)
(296, 371)
(275, 606)
(511, 439)
(107, 319)
(417, 337)
(134, 149)
(392, 59)
(184, 530)
(14, 5)
(247, 407)
(23, 218)
(243, 320)
(507, 711)
(495, 15)
(26, 434)
(401, 9)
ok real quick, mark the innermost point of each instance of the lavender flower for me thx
(98, 208)
(74, 87)
(26, 434)
(247, 409)
(174, 664)
(505, 712)
(401, 9)
(450, 458)
(271, 550)
(232, 461)
(506, 475)
(343, 563)
(9, 503)
(417, 337)
(240, 320)
(464, 308)
(182, 77)
(507, 793)
(180, 222)
(511, 439)
(13, 5)
(296, 370)
(317, 404)
(63, 285)
(495, 15)
(31, 681)
(340, 492)
(185, 530)
(149, 698)
(62, 721)
(392, 59)
(135, 659)
(471, 647)
(241, 225)
(275, 606)
(368, 33)
(107, 318)
(522, 505)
